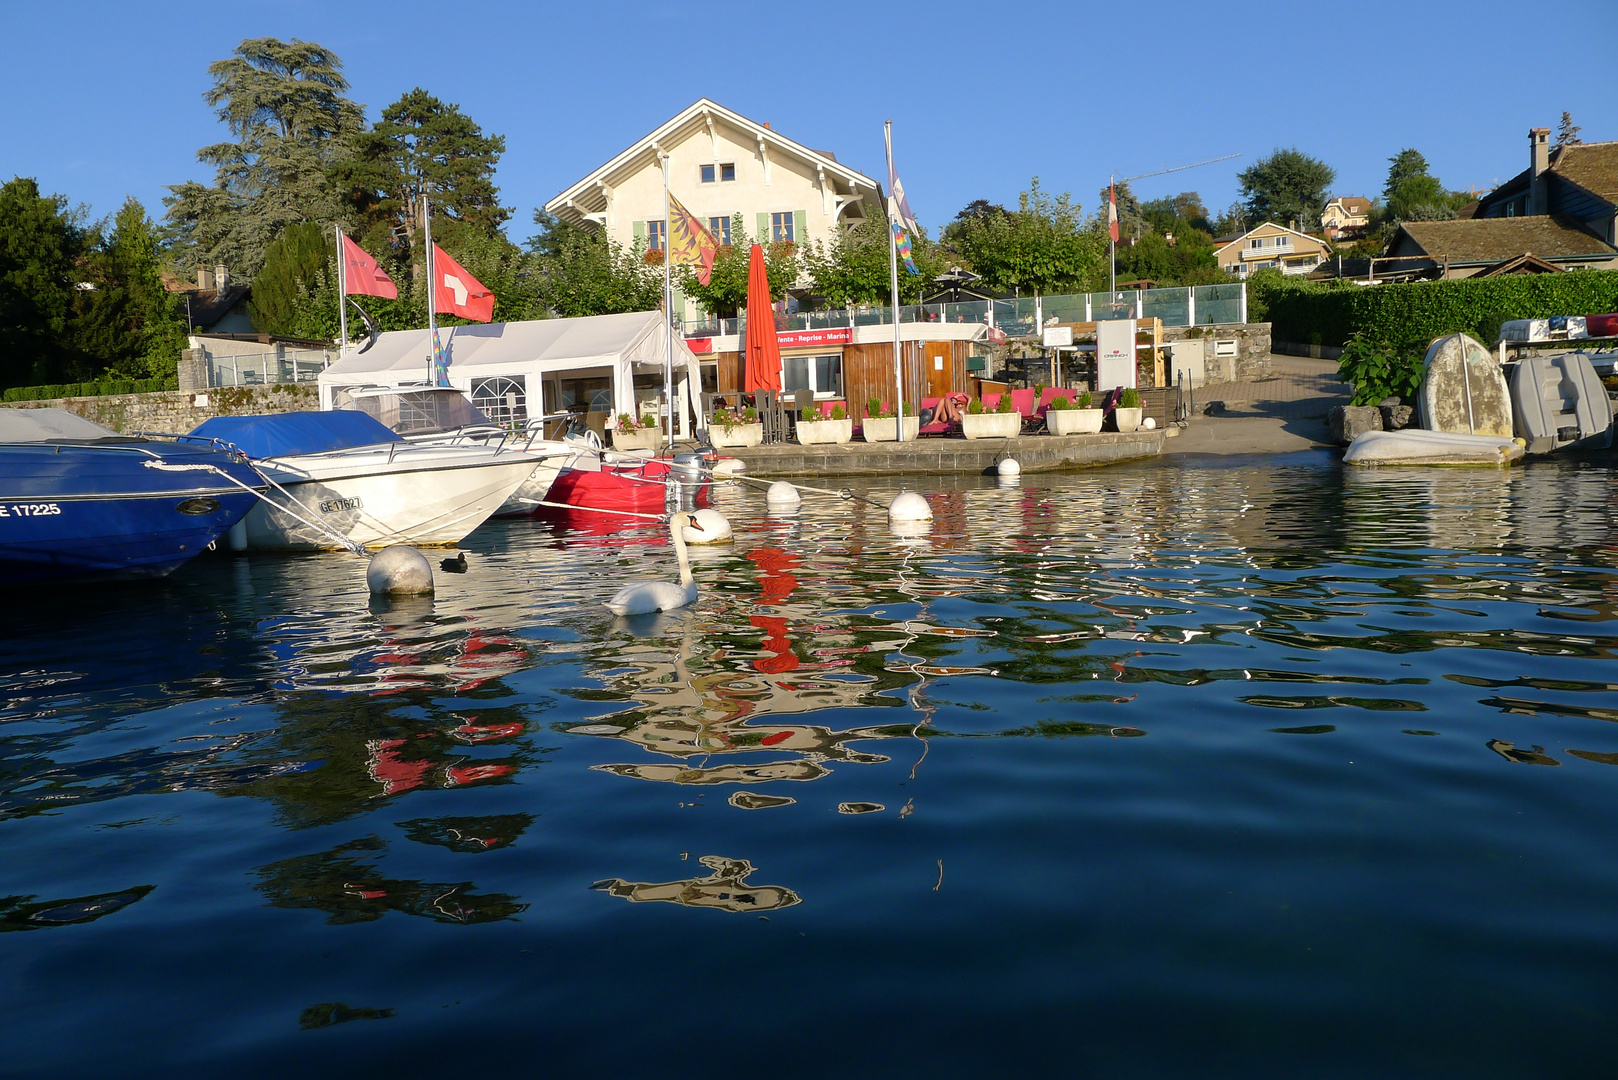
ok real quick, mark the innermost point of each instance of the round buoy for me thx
(909, 506)
(782, 493)
(1008, 467)
(399, 571)
(715, 527)
(1148, 424)
(729, 466)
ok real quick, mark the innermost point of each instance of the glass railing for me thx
(266, 368)
(1019, 317)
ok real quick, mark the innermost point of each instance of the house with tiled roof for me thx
(1578, 181)
(1483, 247)
(1271, 246)
(1345, 214)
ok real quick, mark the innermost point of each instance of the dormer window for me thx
(721, 173)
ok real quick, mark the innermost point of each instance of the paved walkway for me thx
(1280, 414)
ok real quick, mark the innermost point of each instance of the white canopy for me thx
(622, 344)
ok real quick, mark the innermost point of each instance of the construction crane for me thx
(1112, 246)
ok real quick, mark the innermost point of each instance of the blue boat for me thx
(80, 502)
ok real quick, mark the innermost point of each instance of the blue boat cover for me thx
(282, 434)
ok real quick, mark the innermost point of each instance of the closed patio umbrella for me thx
(763, 366)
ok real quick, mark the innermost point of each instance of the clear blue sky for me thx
(104, 100)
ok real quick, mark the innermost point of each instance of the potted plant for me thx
(732, 428)
(1127, 414)
(882, 426)
(631, 434)
(835, 429)
(1004, 422)
(1063, 417)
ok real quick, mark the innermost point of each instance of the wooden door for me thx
(939, 368)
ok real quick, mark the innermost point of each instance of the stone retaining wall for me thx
(178, 411)
(1035, 453)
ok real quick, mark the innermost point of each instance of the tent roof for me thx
(545, 344)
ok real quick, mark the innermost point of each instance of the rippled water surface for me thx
(1246, 768)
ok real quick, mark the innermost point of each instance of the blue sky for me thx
(104, 100)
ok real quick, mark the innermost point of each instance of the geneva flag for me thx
(690, 242)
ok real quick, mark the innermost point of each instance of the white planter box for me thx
(1073, 421)
(737, 435)
(641, 439)
(1128, 419)
(811, 432)
(991, 425)
(882, 429)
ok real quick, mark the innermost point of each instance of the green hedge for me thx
(91, 389)
(1404, 317)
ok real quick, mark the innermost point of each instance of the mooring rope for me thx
(319, 526)
(846, 494)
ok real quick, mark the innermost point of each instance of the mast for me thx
(893, 275)
(342, 294)
(432, 314)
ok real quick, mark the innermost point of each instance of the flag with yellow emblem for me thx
(690, 242)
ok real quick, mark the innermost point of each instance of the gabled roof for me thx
(1272, 225)
(1592, 166)
(586, 195)
(1354, 204)
(1487, 241)
(1522, 264)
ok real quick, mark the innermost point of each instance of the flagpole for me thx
(1112, 240)
(893, 275)
(342, 294)
(432, 315)
(668, 306)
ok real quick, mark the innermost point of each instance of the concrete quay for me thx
(1035, 453)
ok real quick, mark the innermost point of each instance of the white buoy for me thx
(1008, 467)
(1148, 424)
(782, 494)
(399, 571)
(715, 527)
(729, 466)
(909, 506)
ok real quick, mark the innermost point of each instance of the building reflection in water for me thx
(26, 913)
(726, 889)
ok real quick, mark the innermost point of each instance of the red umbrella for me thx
(763, 371)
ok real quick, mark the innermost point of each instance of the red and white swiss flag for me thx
(362, 276)
(455, 292)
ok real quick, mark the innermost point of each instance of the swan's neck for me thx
(680, 552)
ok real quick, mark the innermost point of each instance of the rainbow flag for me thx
(690, 242)
(440, 361)
(901, 241)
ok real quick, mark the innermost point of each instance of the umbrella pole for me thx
(893, 274)
(342, 295)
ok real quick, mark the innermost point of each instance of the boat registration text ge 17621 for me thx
(29, 509)
(337, 506)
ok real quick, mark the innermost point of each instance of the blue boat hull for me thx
(74, 511)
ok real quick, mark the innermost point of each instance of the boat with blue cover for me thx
(78, 501)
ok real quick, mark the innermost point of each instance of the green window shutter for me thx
(640, 233)
(764, 236)
(797, 226)
(679, 303)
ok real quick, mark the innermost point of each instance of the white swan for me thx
(645, 597)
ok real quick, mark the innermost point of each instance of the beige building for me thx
(1272, 245)
(1345, 214)
(720, 164)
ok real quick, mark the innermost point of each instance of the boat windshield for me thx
(415, 412)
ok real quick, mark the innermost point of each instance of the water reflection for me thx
(26, 913)
(725, 889)
(345, 883)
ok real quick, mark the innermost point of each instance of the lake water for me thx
(1213, 768)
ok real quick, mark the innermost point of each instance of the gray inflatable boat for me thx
(1558, 403)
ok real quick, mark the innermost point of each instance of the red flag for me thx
(362, 276)
(1112, 214)
(455, 292)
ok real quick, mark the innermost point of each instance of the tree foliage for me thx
(582, 272)
(126, 323)
(295, 267)
(285, 107)
(1286, 187)
(420, 145)
(854, 268)
(1567, 132)
(1173, 213)
(40, 242)
(726, 292)
(1189, 260)
(1041, 247)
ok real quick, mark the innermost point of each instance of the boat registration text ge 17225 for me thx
(29, 509)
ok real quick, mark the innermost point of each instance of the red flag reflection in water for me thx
(776, 582)
(777, 642)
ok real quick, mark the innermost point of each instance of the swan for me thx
(645, 597)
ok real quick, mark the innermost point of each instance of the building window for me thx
(503, 400)
(781, 228)
(720, 227)
(822, 374)
(711, 173)
(1256, 242)
(654, 235)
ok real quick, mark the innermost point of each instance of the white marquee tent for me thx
(617, 347)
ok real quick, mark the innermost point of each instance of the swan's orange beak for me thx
(692, 518)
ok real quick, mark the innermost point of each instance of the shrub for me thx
(1084, 400)
(1379, 371)
(974, 408)
(102, 388)
(1061, 403)
(873, 407)
(838, 412)
(1129, 399)
(1005, 404)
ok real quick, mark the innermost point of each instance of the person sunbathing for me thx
(951, 407)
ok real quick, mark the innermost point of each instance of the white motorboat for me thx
(442, 415)
(354, 480)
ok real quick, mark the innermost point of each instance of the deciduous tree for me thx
(726, 292)
(1286, 187)
(854, 268)
(1042, 246)
(40, 243)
